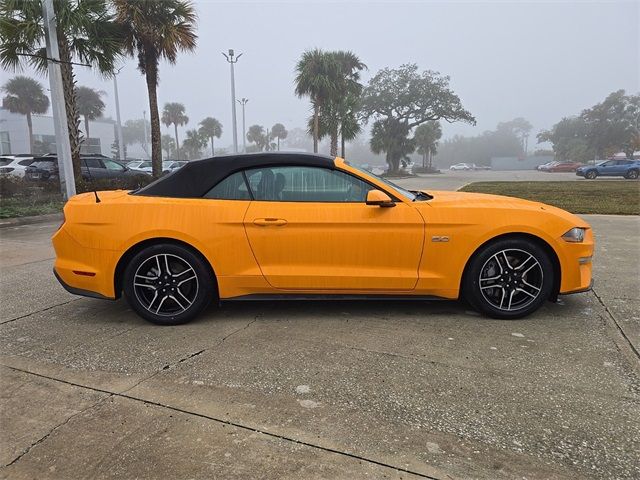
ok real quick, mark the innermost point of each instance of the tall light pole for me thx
(121, 153)
(232, 62)
(63, 148)
(243, 102)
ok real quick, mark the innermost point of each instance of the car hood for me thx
(468, 200)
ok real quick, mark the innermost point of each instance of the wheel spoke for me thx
(527, 270)
(176, 275)
(522, 264)
(504, 293)
(490, 278)
(155, 296)
(498, 263)
(166, 262)
(144, 285)
(161, 303)
(186, 280)
(537, 289)
(506, 260)
(510, 299)
(145, 277)
(185, 298)
(172, 297)
(524, 291)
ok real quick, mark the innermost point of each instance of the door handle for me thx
(269, 222)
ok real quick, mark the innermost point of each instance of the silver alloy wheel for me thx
(511, 279)
(165, 284)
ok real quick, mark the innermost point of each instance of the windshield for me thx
(411, 196)
(5, 161)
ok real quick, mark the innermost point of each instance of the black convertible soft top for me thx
(198, 177)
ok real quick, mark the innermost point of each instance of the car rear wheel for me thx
(591, 174)
(632, 174)
(168, 284)
(509, 279)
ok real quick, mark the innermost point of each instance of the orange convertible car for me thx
(273, 225)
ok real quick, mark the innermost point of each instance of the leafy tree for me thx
(87, 34)
(168, 146)
(479, 149)
(133, 132)
(174, 114)
(90, 105)
(520, 127)
(210, 128)
(570, 139)
(193, 144)
(279, 132)
(25, 95)
(155, 30)
(426, 138)
(403, 99)
(315, 78)
(614, 124)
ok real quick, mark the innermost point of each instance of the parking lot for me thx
(339, 389)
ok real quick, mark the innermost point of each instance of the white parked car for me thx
(14, 165)
(167, 166)
(461, 166)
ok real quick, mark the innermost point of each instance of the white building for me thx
(14, 135)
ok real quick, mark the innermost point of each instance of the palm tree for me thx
(259, 136)
(193, 144)
(87, 34)
(168, 145)
(279, 132)
(210, 128)
(426, 138)
(349, 123)
(174, 114)
(90, 106)
(315, 78)
(155, 30)
(25, 96)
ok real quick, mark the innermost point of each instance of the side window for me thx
(231, 188)
(306, 184)
(111, 165)
(91, 162)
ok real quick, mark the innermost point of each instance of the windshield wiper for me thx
(420, 196)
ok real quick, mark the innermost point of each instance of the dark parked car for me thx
(93, 168)
(42, 169)
(611, 168)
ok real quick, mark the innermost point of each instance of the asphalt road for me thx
(319, 390)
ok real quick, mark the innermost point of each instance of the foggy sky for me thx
(538, 60)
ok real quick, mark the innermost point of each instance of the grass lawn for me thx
(20, 207)
(609, 197)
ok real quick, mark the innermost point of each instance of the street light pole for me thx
(121, 153)
(243, 102)
(233, 61)
(63, 148)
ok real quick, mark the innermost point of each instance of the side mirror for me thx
(379, 198)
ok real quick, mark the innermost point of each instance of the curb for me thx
(18, 221)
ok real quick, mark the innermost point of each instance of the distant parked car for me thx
(564, 167)
(546, 166)
(171, 165)
(102, 167)
(138, 165)
(480, 167)
(14, 165)
(611, 168)
(461, 166)
(42, 169)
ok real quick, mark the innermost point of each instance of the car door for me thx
(607, 168)
(310, 229)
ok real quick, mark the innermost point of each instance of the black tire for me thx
(495, 293)
(591, 174)
(178, 292)
(632, 174)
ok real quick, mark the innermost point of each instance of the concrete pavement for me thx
(319, 390)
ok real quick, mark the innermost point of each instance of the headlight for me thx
(575, 235)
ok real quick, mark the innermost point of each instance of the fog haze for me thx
(538, 60)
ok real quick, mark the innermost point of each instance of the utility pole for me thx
(243, 102)
(63, 148)
(144, 122)
(121, 153)
(232, 62)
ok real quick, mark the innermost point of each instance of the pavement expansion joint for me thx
(40, 311)
(123, 394)
(56, 427)
(619, 328)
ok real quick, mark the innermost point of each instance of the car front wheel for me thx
(509, 279)
(168, 284)
(591, 174)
